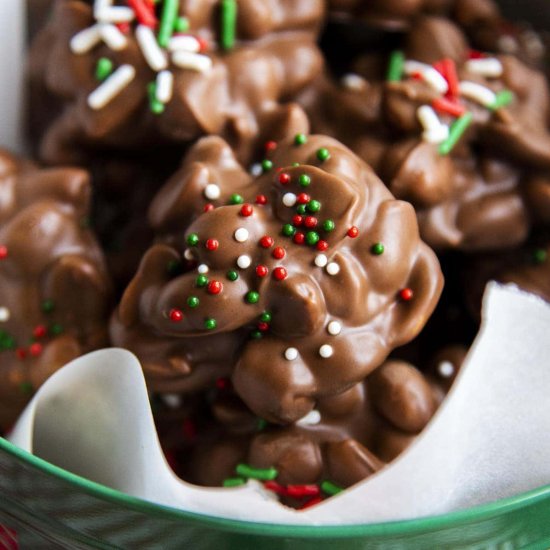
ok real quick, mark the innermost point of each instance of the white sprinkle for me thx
(155, 57)
(289, 199)
(203, 268)
(490, 67)
(86, 39)
(186, 43)
(321, 260)
(4, 314)
(310, 419)
(244, 261)
(115, 14)
(112, 37)
(333, 268)
(172, 400)
(165, 86)
(188, 254)
(326, 351)
(212, 191)
(111, 87)
(446, 369)
(476, 92)
(432, 77)
(291, 354)
(241, 235)
(354, 82)
(256, 170)
(100, 5)
(434, 130)
(334, 328)
(192, 61)
(507, 44)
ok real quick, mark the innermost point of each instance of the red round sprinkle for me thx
(214, 287)
(280, 273)
(322, 245)
(302, 198)
(310, 221)
(406, 294)
(297, 220)
(21, 353)
(284, 178)
(353, 232)
(208, 207)
(35, 349)
(176, 315)
(263, 326)
(266, 241)
(222, 383)
(299, 238)
(39, 331)
(246, 210)
(270, 145)
(203, 44)
(3, 252)
(211, 244)
(261, 270)
(261, 199)
(278, 252)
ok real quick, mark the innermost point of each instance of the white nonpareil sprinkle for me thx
(192, 61)
(291, 354)
(434, 130)
(334, 328)
(354, 82)
(490, 67)
(85, 40)
(184, 43)
(165, 86)
(188, 254)
(172, 400)
(289, 199)
(310, 419)
(203, 268)
(244, 261)
(212, 191)
(115, 14)
(445, 369)
(241, 235)
(476, 92)
(112, 37)
(111, 87)
(333, 268)
(256, 170)
(4, 314)
(321, 260)
(432, 77)
(326, 351)
(155, 57)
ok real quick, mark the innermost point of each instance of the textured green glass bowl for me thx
(52, 508)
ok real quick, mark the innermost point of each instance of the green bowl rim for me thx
(279, 530)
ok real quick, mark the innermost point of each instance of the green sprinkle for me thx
(232, 275)
(26, 388)
(235, 198)
(294, 164)
(288, 230)
(458, 127)
(262, 424)
(103, 68)
(193, 239)
(539, 256)
(377, 249)
(267, 165)
(210, 324)
(503, 98)
(193, 301)
(323, 154)
(174, 267)
(56, 329)
(201, 280)
(314, 206)
(328, 225)
(300, 139)
(6, 341)
(48, 306)
(181, 25)
(330, 488)
(233, 482)
(167, 22)
(301, 209)
(312, 238)
(228, 23)
(304, 180)
(395, 67)
(252, 297)
(154, 104)
(256, 335)
(266, 317)
(263, 474)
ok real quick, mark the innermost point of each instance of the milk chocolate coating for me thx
(363, 297)
(54, 289)
(242, 94)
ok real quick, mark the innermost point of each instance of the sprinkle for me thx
(303, 198)
(311, 502)
(26, 388)
(182, 24)
(256, 169)
(47, 306)
(261, 270)
(203, 268)
(280, 274)
(270, 145)
(261, 199)
(193, 301)
(503, 98)
(301, 491)
(297, 220)
(175, 315)
(267, 165)
(85, 40)
(266, 317)
(172, 400)
(354, 82)
(310, 419)
(155, 105)
(322, 245)
(299, 238)
(3, 252)
(256, 335)
(192, 239)
(446, 106)
(406, 294)
(263, 474)
(321, 260)
(232, 275)
(112, 37)
(432, 77)
(244, 261)
(192, 61)
(212, 191)
(326, 351)
(114, 14)
(323, 154)
(35, 349)
(201, 281)
(277, 488)
(266, 241)
(304, 180)
(328, 225)
(434, 130)
(263, 326)
(478, 93)
(489, 67)
(233, 482)
(313, 206)
(330, 488)
(241, 235)
(56, 329)
(103, 68)
(333, 268)
(235, 198)
(445, 369)
(284, 178)
(353, 232)
(334, 328)
(252, 297)
(289, 199)
(377, 249)
(210, 324)
(228, 18)
(39, 331)
(111, 87)
(458, 127)
(165, 86)
(449, 72)
(246, 210)
(4, 314)
(312, 238)
(144, 12)
(214, 287)
(288, 230)
(300, 139)
(291, 354)
(167, 21)
(395, 66)
(539, 256)
(310, 222)
(211, 244)
(278, 253)
(185, 43)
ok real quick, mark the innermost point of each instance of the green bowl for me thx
(52, 508)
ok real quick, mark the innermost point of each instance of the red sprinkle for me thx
(261, 199)
(277, 488)
(211, 244)
(123, 27)
(261, 270)
(203, 44)
(299, 238)
(35, 349)
(451, 77)
(266, 241)
(439, 67)
(311, 502)
(208, 207)
(475, 54)
(144, 14)
(176, 315)
(246, 210)
(447, 106)
(353, 232)
(214, 287)
(302, 198)
(21, 353)
(301, 491)
(416, 75)
(222, 383)
(270, 145)
(39, 331)
(322, 245)
(3, 252)
(406, 294)
(263, 326)
(284, 178)
(280, 273)
(310, 221)
(297, 220)
(278, 252)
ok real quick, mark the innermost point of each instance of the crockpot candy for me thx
(305, 276)
(54, 290)
(138, 76)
